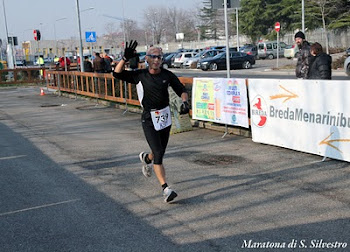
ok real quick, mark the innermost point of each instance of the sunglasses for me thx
(153, 56)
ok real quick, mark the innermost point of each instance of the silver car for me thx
(180, 58)
(192, 62)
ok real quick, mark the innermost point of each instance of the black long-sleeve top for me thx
(155, 86)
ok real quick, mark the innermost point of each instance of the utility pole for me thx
(81, 40)
(302, 16)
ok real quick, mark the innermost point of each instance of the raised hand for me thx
(129, 51)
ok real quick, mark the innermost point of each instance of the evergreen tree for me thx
(209, 24)
(253, 20)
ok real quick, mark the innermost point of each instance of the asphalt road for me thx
(70, 180)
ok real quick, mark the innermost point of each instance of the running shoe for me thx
(169, 194)
(146, 168)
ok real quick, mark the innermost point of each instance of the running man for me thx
(156, 117)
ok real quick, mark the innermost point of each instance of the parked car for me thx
(241, 48)
(268, 49)
(168, 60)
(142, 58)
(202, 55)
(250, 50)
(237, 60)
(217, 47)
(181, 57)
(347, 52)
(20, 62)
(347, 65)
(291, 51)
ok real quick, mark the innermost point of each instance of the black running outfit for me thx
(156, 96)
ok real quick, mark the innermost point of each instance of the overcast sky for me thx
(25, 15)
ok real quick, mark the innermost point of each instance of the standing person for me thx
(321, 67)
(87, 64)
(40, 62)
(98, 63)
(156, 118)
(64, 62)
(107, 63)
(134, 61)
(304, 57)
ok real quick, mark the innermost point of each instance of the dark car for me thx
(168, 60)
(347, 52)
(250, 50)
(237, 60)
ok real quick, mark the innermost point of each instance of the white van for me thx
(268, 49)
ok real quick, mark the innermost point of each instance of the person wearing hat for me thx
(304, 56)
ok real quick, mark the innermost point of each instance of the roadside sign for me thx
(219, 4)
(90, 36)
(277, 26)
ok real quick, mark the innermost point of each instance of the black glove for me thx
(129, 51)
(185, 108)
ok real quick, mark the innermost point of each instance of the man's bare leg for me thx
(160, 173)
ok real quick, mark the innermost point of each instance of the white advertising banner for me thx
(307, 115)
(220, 100)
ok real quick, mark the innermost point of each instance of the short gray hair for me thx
(152, 49)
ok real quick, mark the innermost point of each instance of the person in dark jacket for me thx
(304, 57)
(321, 67)
(87, 65)
(98, 63)
(107, 64)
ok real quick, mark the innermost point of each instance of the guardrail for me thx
(99, 85)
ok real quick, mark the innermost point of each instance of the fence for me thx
(22, 75)
(99, 85)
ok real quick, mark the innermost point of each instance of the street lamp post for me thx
(10, 61)
(302, 16)
(54, 30)
(121, 19)
(81, 40)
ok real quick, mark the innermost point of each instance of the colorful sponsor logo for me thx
(259, 112)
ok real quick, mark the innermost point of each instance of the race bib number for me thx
(161, 118)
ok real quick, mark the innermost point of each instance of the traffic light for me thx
(37, 35)
(12, 41)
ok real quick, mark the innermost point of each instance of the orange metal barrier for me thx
(99, 85)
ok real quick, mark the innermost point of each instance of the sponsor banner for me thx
(306, 115)
(220, 100)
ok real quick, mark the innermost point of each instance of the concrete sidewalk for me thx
(234, 194)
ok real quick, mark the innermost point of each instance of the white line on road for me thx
(12, 157)
(38, 207)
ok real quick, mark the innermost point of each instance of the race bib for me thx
(161, 118)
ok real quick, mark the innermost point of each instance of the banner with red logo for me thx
(306, 115)
(220, 100)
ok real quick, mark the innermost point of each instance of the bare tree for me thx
(155, 23)
(326, 7)
(113, 34)
(181, 21)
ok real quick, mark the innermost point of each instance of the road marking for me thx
(12, 157)
(38, 207)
